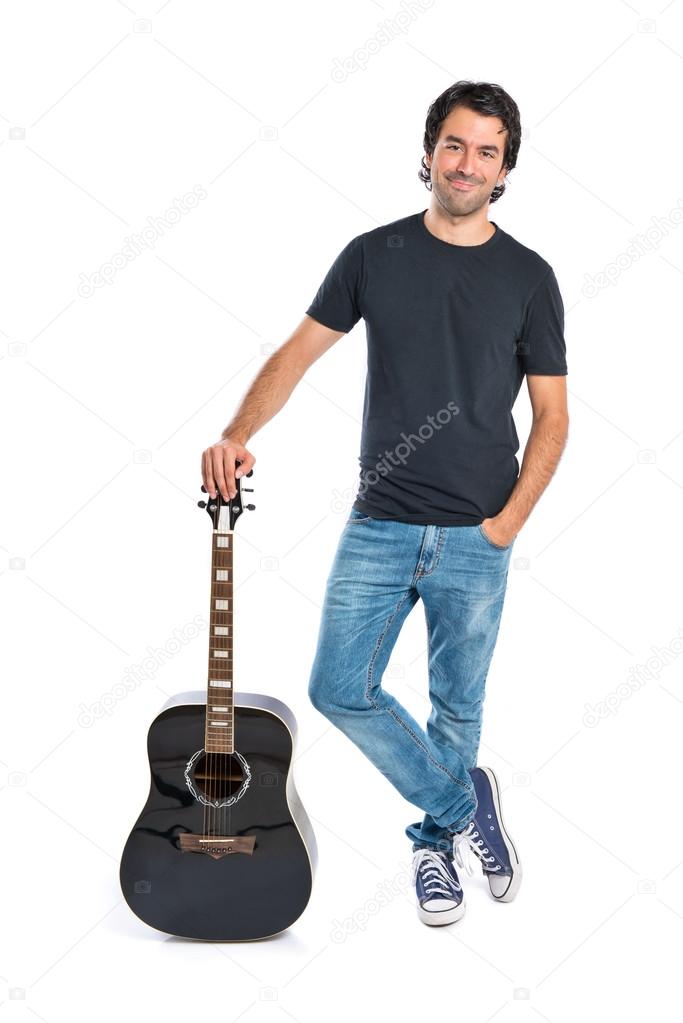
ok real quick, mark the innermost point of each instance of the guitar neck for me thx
(220, 715)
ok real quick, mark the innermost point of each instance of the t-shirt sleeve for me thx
(541, 346)
(337, 303)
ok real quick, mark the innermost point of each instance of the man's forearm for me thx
(267, 394)
(546, 443)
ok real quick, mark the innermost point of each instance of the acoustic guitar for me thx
(223, 849)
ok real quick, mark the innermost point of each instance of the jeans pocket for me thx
(356, 516)
(496, 546)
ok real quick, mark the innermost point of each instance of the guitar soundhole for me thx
(217, 779)
(218, 776)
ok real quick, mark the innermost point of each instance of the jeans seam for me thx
(397, 717)
(437, 554)
(378, 644)
(424, 749)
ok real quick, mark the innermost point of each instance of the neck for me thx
(458, 230)
(219, 701)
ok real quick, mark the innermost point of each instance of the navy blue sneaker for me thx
(486, 836)
(440, 898)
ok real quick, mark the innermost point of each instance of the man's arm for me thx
(548, 395)
(266, 396)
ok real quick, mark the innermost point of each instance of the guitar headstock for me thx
(224, 514)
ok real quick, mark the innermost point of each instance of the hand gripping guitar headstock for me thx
(221, 510)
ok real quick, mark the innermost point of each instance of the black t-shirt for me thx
(451, 331)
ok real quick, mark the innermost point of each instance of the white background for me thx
(109, 113)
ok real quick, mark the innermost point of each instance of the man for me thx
(457, 312)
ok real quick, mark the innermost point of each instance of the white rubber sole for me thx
(437, 918)
(516, 879)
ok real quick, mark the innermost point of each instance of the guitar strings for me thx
(231, 699)
(206, 720)
(218, 766)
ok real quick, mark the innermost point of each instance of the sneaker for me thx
(440, 898)
(487, 838)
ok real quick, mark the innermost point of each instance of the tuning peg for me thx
(201, 504)
(203, 489)
(251, 507)
(250, 473)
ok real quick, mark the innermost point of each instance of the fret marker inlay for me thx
(219, 697)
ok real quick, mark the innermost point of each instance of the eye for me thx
(454, 145)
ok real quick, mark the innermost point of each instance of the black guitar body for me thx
(238, 871)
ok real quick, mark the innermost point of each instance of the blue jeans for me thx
(380, 570)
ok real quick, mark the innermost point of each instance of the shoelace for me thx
(434, 874)
(467, 841)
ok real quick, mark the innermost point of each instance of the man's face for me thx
(470, 150)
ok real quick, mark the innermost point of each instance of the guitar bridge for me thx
(217, 846)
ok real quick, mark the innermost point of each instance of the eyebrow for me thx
(456, 138)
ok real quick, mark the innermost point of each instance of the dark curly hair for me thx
(483, 98)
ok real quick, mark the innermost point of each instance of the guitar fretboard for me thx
(219, 701)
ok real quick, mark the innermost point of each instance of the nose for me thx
(466, 164)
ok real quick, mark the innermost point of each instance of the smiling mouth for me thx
(462, 184)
